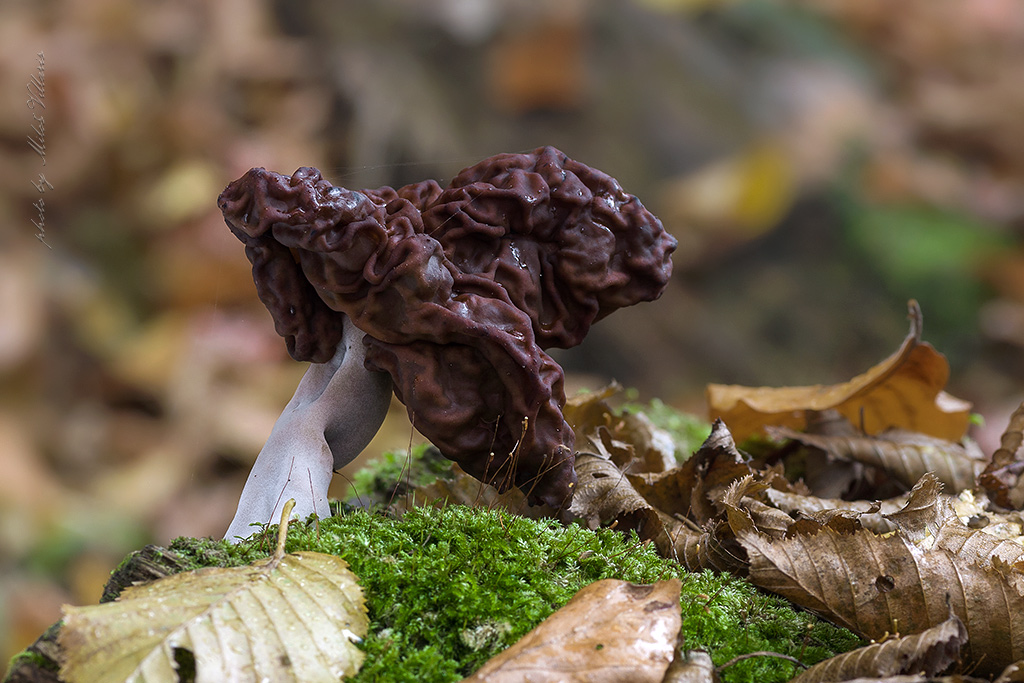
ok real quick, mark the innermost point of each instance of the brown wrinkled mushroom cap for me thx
(458, 291)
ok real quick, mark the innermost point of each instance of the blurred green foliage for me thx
(930, 254)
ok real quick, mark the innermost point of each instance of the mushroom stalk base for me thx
(335, 412)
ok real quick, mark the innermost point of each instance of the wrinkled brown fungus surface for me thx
(458, 291)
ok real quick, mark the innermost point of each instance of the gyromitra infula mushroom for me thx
(448, 295)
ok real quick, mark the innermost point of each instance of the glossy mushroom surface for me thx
(458, 291)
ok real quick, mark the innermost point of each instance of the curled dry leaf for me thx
(630, 440)
(685, 499)
(692, 488)
(924, 512)
(744, 513)
(929, 520)
(604, 496)
(904, 390)
(903, 455)
(878, 585)
(610, 631)
(675, 509)
(930, 652)
(870, 514)
(1002, 478)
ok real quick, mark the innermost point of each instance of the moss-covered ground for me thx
(447, 588)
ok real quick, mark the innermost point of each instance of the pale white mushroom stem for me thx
(335, 412)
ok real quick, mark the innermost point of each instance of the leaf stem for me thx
(740, 658)
(282, 529)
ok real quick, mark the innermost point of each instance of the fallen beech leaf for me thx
(929, 652)
(904, 390)
(877, 585)
(694, 666)
(685, 500)
(870, 514)
(930, 519)
(630, 440)
(925, 510)
(674, 509)
(288, 618)
(710, 547)
(587, 411)
(604, 496)
(904, 455)
(743, 513)
(692, 488)
(610, 631)
(983, 550)
(1002, 476)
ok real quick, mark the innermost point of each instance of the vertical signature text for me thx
(36, 103)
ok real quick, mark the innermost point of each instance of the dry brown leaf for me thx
(610, 631)
(904, 390)
(712, 546)
(744, 513)
(630, 440)
(1002, 477)
(929, 652)
(675, 509)
(904, 455)
(870, 514)
(604, 497)
(878, 585)
(685, 499)
(981, 549)
(929, 519)
(586, 411)
(925, 511)
(691, 489)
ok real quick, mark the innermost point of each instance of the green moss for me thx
(30, 658)
(448, 588)
(377, 481)
(40, 656)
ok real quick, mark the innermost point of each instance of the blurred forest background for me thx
(819, 161)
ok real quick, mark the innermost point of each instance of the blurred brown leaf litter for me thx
(141, 375)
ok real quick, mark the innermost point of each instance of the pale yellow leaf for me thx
(288, 618)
